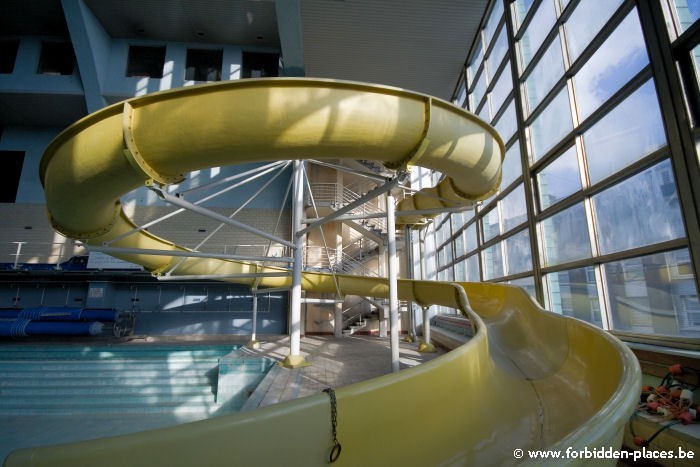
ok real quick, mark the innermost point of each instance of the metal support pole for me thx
(426, 345)
(295, 359)
(254, 344)
(393, 283)
(17, 253)
(338, 320)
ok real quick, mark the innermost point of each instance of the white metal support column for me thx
(254, 344)
(393, 283)
(295, 359)
(426, 345)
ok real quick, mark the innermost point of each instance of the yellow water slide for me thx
(528, 380)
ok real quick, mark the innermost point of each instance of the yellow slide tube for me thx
(528, 379)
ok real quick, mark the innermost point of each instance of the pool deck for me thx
(334, 362)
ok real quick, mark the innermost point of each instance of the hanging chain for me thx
(335, 451)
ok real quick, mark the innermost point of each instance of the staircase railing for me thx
(319, 258)
(337, 196)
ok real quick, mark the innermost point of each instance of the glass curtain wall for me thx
(597, 214)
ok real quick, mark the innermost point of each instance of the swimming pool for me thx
(73, 379)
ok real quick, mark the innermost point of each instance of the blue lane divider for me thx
(55, 321)
(59, 313)
(25, 327)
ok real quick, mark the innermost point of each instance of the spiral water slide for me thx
(528, 379)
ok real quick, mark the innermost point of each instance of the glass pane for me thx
(459, 245)
(457, 219)
(551, 125)
(476, 60)
(461, 95)
(559, 179)
(654, 294)
(527, 283)
(470, 240)
(449, 258)
(574, 293)
(473, 273)
(478, 92)
(461, 271)
(502, 88)
(695, 53)
(497, 53)
(518, 254)
(620, 57)
(686, 13)
(513, 208)
(490, 224)
(512, 167)
(536, 31)
(493, 262)
(639, 211)
(492, 23)
(625, 135)
(520, 9)
(585, 22)
(507, 123)
(547, 71)
(484, 112)
(565, 236)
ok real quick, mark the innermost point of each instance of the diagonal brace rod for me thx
(388, 186)
(216, 216)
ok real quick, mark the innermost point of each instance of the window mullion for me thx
(679, 133)
(524, 158)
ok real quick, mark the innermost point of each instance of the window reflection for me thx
(574, 293)
(493, 262)
(625, 135)
(585, 22)
(502, 88)
(559, 179)
(507, 122)
(520, 9)
(490, 224)
(620, 57)
(460, 271)
(551, 125)
(654, 294)
(478, 91)
(685, 13)
(492, 23)
(518, 254)
(473, 273)
(470, 239)
(497, 53)
(476, 61)
(512, 167)
(639, 211)
(565, 236)
(513, 208)
(543, 76)
(461, 95)
(536, 31)
(527, 283)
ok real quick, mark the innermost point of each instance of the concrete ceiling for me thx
(419, 45)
